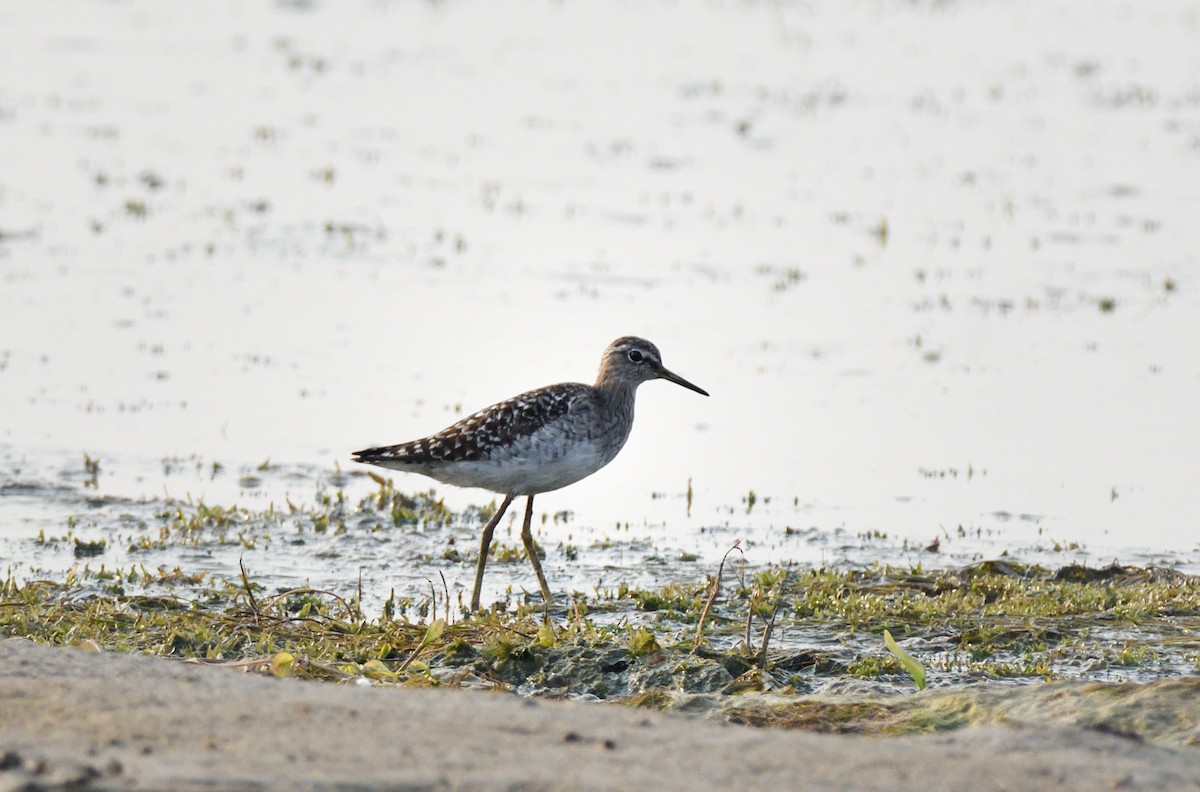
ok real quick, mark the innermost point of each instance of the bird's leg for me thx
(527, 538)
(484, 543)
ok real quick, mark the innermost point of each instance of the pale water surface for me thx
(937, 263)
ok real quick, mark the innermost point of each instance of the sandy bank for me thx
(82, 720)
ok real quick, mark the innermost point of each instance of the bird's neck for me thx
(617, 395)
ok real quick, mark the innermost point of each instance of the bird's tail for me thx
(373, 456)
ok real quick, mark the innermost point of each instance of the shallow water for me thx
(935, 262)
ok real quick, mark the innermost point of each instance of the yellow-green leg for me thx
(527, 538)
(484, 543)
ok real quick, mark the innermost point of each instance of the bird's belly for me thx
(525, 472)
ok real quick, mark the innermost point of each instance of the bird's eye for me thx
(636, 355)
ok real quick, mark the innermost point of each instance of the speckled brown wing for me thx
(477, 436)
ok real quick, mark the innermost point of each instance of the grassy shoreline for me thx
(992, 622)
(782, 646)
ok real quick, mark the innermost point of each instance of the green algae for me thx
(1163, 711)
(982, 622)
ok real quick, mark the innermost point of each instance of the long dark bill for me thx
(678, 380)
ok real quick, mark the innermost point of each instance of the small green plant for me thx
(910, 663)
(642, 642)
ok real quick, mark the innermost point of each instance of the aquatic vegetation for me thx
(990, 621)
(781, 646)
(998, 622)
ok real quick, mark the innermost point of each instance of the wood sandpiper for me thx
(536, 442)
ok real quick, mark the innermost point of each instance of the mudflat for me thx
(76, 719)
